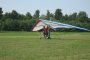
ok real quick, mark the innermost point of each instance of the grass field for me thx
(61, 46)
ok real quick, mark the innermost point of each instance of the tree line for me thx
(14, 21)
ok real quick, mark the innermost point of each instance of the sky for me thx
(24, 6)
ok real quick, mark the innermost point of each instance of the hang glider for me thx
(54, 25)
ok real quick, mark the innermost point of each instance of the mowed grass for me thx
(61, 46)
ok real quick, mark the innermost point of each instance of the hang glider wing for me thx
(39, 25)
(54, 25)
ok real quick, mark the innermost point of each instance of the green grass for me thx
(61, 46)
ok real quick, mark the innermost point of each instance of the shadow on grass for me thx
(66, 39)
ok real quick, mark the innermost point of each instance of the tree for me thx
(58, 14)
(11, 25)
(73, 16)
(52, 15)
(66, 17)
(14, 15)
(22, 17)
(1, 13)
(48, 15)
(36, 15)
(6, 16)
(26, 25)
(28, 16)
(14, 21)
(82, 16)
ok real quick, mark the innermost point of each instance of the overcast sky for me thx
(67, 6)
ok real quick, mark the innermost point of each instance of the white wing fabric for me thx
(54, 25)
(39, 25)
